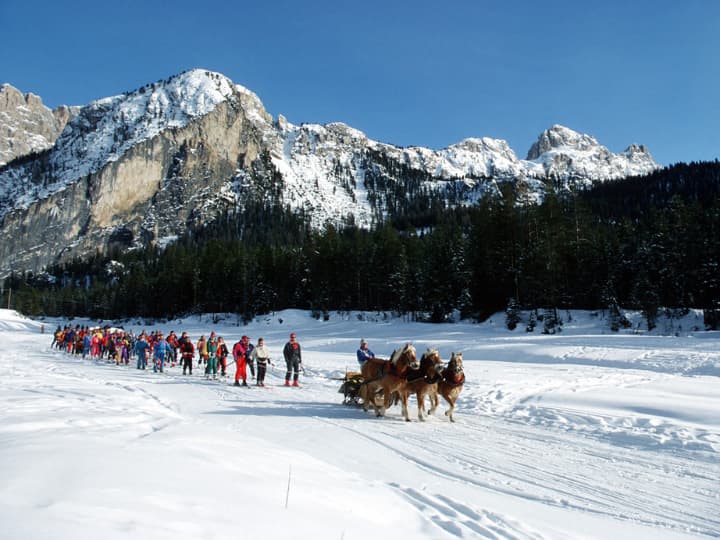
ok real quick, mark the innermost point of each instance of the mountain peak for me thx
(26, 125)
(192, 93)
(558, 137)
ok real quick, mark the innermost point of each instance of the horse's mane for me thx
(397, 353)
(430, 353)
(454, 357)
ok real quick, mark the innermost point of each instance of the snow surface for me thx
(583, 434)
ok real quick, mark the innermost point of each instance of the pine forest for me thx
(645, 243)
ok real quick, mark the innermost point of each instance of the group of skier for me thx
(119, 346)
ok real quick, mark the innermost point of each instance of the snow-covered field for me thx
(584, 434)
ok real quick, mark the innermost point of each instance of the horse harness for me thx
(452, 377)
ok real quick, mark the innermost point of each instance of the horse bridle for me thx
(453, 374)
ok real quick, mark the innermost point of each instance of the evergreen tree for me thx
(512, 314)
(552, 323)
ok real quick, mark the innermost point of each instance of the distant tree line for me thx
(641, 243)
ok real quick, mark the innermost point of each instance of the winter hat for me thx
(292, 335)
(363, 342)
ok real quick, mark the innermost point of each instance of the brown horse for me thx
(424, 382)
(393, 379)
(372, 371)
(451, 384)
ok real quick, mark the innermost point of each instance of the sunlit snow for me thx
(582, 434)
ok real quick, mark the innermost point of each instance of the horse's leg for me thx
(364, 396)
(396, 397)
(446, 397)
(451, 401)
(421, 404)
(405, 413)
(379, 410)
(392, 393)
(404, 396)
(371, 391)
(433, 398)
(386, 400)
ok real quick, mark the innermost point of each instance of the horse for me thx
(393, 379)
(424, 381)
(371, 371)
(451, 383)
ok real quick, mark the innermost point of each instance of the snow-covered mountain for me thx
(566, 155)
(143, 166)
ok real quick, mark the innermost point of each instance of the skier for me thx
(160, 351)
(141, 350)
(202, 350)
(240, 355)
(293, 359)
(57, 338)
(172, 340)
(187, 351)
(222, 354)
(261, 355)
(249, 348)
(87, 339)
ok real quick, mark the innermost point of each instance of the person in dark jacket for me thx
(187, 352)
(222, 353)
(293, 359)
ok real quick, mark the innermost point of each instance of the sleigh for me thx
(350, 388)
(355, 389)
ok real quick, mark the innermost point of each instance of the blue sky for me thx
(426, 73)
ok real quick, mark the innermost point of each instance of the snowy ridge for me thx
(330, 171)
(107, 128)
(567, 155)
(324, 167)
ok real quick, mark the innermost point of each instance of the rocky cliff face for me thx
(66, 207)
(142, 167)
(26, 125)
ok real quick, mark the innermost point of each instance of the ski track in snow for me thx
(531, 433)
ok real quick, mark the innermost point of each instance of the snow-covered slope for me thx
(583, 434)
